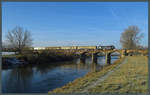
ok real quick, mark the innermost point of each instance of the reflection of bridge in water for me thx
(96, 52)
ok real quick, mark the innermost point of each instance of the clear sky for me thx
(75, 23)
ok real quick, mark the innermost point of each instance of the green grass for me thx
(79, 84)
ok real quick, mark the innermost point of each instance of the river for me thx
(45, 77)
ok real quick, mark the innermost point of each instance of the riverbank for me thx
(78, 85)
(129, 77)
(34, 58)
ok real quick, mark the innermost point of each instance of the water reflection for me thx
(18, 79)
(44, 77)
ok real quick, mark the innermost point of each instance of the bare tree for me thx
(19, 38)
(130, 38)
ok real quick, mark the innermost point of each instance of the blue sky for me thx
(75, 23)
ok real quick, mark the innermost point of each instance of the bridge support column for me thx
(94, 58)
(107, 58)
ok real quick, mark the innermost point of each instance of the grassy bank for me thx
(131, 77)
(79, 84)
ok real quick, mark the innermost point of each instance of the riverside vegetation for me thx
(40, 57)
(46, 56)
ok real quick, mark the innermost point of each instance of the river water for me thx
(45, 77)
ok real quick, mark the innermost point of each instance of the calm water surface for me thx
(42, 78)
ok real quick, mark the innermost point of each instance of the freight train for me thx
(111, 47)
(106, 47)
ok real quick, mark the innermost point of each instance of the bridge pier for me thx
(108, 58)
(94, 58)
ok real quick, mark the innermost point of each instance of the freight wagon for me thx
(86, 47)
(106, 47)
(48, 48)
(69, 47)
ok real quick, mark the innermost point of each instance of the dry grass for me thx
(79, 84)
(131, 77)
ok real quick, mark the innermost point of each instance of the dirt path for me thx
(101, 79)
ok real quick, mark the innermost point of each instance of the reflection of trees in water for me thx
(44, 68)
(19, 79)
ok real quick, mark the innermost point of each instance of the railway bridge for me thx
(95, 52)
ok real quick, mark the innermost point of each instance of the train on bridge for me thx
(111, 47)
